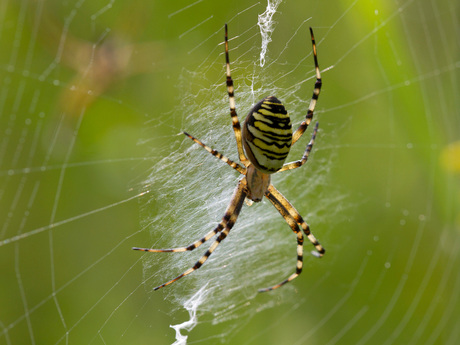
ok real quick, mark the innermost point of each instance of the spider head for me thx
(267, 135)
(258, 183)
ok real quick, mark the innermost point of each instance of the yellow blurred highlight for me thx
(450, 157)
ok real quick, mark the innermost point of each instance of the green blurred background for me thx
(86, 92)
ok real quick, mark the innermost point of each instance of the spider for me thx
(263, 145)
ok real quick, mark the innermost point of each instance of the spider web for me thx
(93, 99)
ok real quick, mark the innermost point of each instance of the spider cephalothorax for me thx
(263, 145)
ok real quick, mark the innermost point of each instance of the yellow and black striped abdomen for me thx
(267, 135)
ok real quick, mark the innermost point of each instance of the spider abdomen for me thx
(267, 135)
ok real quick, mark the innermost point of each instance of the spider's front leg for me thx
(294, 219)
(320, 251)
(293, 225)
(224, 227)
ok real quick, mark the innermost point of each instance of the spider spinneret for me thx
(263, 145)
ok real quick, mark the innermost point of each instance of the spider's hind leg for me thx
(231, 99)
(314, 99)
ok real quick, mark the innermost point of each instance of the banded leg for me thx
(217, 154)
(190, 247)
(231, 99)
(303, 126)
(298, 218)
(299, 163)
(292, 223)
(229, 219)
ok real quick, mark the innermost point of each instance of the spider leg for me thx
(190, 247)
(303, 126)
(299, 163)
(292, 217)
(231, 99)
(228, 220)
(292, 223)
(298, 218)
(217, 154)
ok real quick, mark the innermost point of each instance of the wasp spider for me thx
(263, 145)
